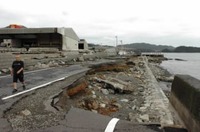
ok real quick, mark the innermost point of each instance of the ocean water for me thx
(190, 66)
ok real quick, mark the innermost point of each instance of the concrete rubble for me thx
(115, 84)
(25, 112)
(5, 70)
(115, 88)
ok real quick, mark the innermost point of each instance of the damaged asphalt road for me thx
(116, 90)
(34, 79)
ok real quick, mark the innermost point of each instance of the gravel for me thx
(135, 107)
(39, 116)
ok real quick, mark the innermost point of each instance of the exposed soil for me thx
(35, 111)
(40, 112)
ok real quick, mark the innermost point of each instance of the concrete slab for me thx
(78, 120)
(86, 120)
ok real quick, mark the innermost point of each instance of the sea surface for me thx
(190, 65)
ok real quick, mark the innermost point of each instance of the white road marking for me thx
(34, 88)
(29, 72)
(43, 85)
(111, 125)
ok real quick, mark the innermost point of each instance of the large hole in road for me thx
(103, 89)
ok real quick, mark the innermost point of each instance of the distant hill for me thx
(146, 47)
(186, 49)
(97, 45)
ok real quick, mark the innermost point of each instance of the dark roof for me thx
(27, 30)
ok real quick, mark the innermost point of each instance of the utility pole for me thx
(116, 41)
(122, 50)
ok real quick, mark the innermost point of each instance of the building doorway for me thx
(81, 46)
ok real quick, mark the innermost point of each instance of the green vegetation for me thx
(146, 47)
(186, 49)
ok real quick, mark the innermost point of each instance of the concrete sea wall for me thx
(185, 97)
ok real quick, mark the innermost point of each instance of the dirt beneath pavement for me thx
(105, 93)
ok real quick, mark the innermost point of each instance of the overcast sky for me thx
(164, 22)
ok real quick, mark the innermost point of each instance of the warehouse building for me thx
(22, 37)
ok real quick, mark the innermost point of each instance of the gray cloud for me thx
(31, 20)
(132, 19)
(100, 31)
(8, 17)
(64, 13)
(173, 40)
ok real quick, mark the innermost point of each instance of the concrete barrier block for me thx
(187, 90)
(185, 97)
(182, 90)
(195, 106)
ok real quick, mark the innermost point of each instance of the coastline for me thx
(163, 76)
(142, 102)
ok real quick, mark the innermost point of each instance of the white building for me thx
(61, 38)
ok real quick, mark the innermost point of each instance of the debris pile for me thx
(117, 89)
(120, 89)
